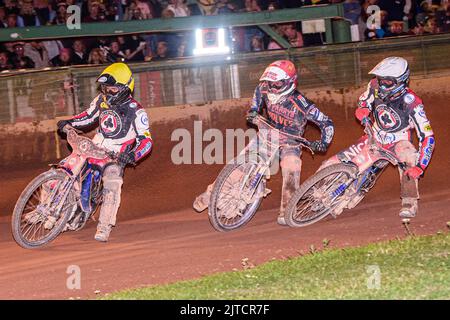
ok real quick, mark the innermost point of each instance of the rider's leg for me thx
(346, 154)
(291, 165)
(201, 202)
(112, 185)
(409, 191)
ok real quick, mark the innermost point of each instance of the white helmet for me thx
(393, 77)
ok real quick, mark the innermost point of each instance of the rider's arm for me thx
(257, 101)
(424, 134)
(365, 101)
(87, 117)
(324, 123)
(144, 142)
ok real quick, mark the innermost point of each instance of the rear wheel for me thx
(236, 196)
(31, 226)
(320, 195)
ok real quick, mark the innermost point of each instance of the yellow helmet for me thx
(116, 75)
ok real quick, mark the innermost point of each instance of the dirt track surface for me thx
(159, 239)
(182, 245)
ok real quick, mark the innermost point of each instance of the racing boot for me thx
(409, 208)
(202, 201)
(49, 223)
(103, 231)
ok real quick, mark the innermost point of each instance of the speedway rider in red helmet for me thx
(397, 112)
(289, 111)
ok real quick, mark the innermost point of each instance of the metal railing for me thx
(44, 94)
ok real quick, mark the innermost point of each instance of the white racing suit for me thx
(291, 116)
(121, 128)
(394, 123)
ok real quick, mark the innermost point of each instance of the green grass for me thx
(415, 268)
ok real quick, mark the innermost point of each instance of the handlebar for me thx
(86, 146)
(304, 142)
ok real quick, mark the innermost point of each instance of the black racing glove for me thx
(318, 146)
(62, 124)
(126, 158)
(251, 116)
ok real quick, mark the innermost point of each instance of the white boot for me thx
(409, 208)
(201, 202)
(103, 231)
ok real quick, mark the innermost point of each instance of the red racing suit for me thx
(122, 128)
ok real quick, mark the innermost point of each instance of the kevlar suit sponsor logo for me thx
(386, 118)
(110, 123)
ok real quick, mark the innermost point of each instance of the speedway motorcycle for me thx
(64, 197)
(241, 185)
(340, 186)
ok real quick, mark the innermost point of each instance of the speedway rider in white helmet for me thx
(397, 112)
(289, 111)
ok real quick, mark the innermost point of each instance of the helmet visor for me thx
(276, 86)
(109, 90)
(386, 83)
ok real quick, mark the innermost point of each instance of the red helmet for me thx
(281, 79)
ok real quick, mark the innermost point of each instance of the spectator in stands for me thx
(96, 56)
(207, 7)
(53, 47)
(61, 14)
(64, 58)
(4, 62)
(79, 52)
(395, 29)
(178, 7)
(37, 52)
(112, 11)
(446, 24)
(9, 49)
(11, 20)
(11, 7)
(146, 9)
(96, 12)
(417, 29)
(398, 10)
(181, 50)
(257, 44)
(20, 60)
(224, 7)
(273, 45)
(431, 26)
(134, 48)
(43, 11)
(294, 36)
(28, 14)
(3, 23)
(115, 54)
(162, 51)
(352, 11)
(250, 32)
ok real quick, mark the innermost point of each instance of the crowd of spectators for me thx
(397, 17)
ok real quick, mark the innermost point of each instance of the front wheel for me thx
(34, 220)
(324, 193)
(236, 195)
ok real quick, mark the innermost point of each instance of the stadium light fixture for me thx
(210, 41)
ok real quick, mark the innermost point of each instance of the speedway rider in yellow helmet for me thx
(123, 127)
